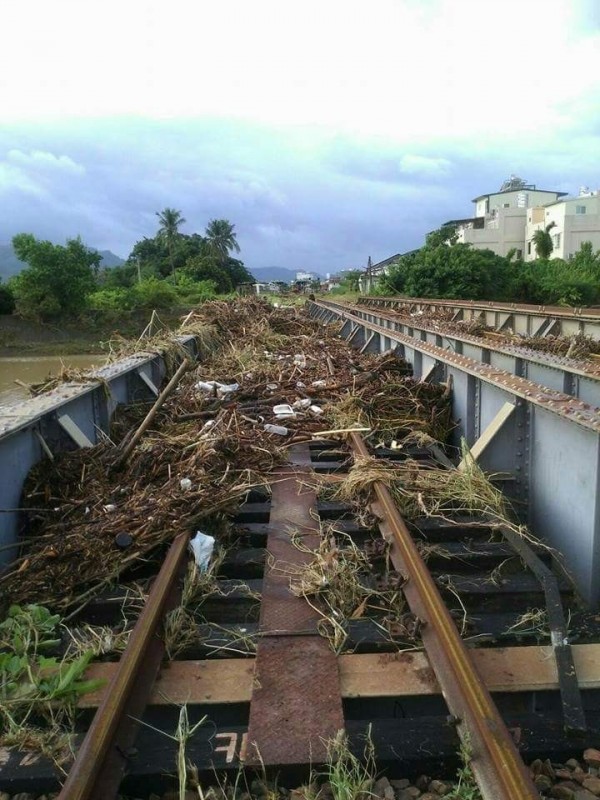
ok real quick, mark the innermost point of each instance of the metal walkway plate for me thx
(293, 662)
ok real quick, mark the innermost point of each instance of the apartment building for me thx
(500, 220)
(574, 220)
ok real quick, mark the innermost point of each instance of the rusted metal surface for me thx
(91, 773)
(588, 368)
(293, 661)
(495, 761)
(564, 405)
(296, 701)
(554, 311)
(292, 500)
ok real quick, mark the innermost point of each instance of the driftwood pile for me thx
(92, 516)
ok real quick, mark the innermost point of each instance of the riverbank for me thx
(92, 335)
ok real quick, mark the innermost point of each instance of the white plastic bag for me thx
(202, 546)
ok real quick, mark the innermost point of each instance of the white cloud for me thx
(37, 173)
(14, 179)
(405, 69)
(41, 161)
(424, 165)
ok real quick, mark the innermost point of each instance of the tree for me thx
(170, 220)
(7, 299)
(237, 272)
(349, 280)
(542, 241)
(57, 281)
(208, 268)
(221, 238)
(586, 260)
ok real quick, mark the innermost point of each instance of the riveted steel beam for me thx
(580, 378)
(549, 448)
(525, 318)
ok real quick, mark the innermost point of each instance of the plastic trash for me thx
(185, 484)
(221, 388)
(302, 404)
(202, 547)
(272, 386)
(278, 429)
(300, 360)
(227, 388)
(206, 386)
(109, 508)
(316, 410)
(300, 385)
(319, 384)
(284, 410)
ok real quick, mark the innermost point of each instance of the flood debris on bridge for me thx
(89, 522)
(577, 346)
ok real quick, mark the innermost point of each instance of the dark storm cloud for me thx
(298, 198)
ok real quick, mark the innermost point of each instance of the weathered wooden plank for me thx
(504, 669)
(210, 682)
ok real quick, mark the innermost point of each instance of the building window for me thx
(556, 240)
(505, 205)
(519, 255)
(528, 248)
(580, 209)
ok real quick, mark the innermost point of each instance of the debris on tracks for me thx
(205, 449)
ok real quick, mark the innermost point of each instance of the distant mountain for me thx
(267, 274)
(109, 259)
(10, 264)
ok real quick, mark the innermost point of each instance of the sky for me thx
(327, 132)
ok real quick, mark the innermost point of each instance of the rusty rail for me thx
(494, 758)
(85, 779)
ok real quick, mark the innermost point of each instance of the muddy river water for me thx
(32, 369)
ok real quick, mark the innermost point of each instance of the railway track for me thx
(565, 365)
(525, 319)
(443, 641)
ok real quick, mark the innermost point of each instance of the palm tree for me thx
(221, 237)
(170, 220)
(542, 241)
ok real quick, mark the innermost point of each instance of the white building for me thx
(303, 275)
(574, 220)
(508, 219)
(500, 221)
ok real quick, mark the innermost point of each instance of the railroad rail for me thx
(530, 320)
(436, 634)
(544, 442)
(275, 708)
(578, 377)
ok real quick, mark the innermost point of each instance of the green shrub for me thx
(118, 299)
(7, 300)
(153, 293)
(197, 292)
